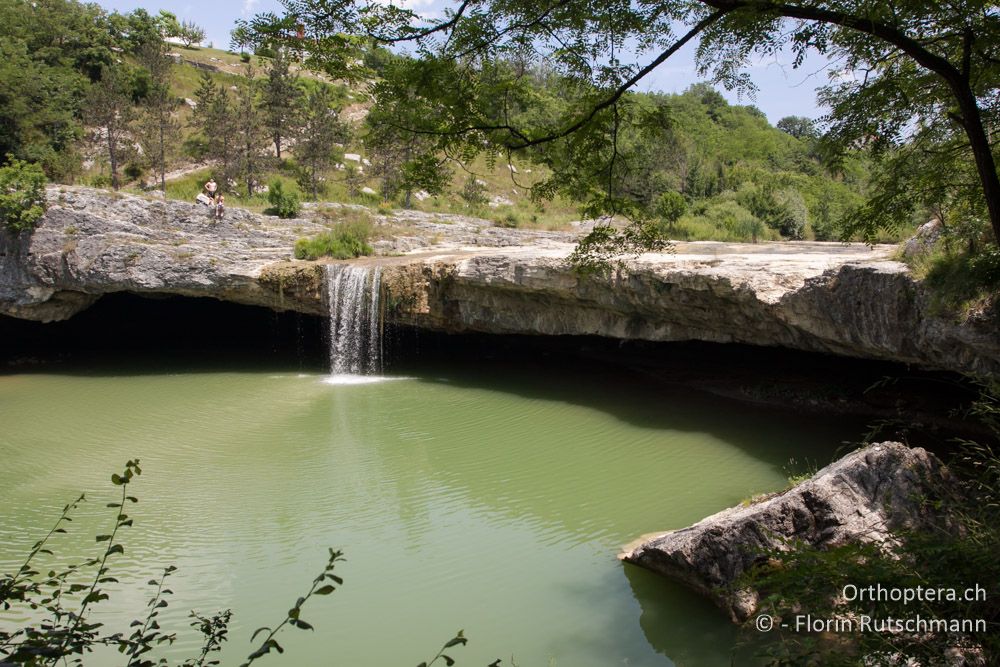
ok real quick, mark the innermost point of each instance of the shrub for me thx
(958, 553)
(133, 171)
(101, 180)
(985, 267)
(54, 609)
(511, 220)
(474, 192)
(345, 241)
(669, 207)
(22, 195)
(962, 282)
(283, 204)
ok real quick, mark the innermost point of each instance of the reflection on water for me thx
(491, 498)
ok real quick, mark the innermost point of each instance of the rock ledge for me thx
(864, 497)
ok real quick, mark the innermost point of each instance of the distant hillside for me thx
(711, 170)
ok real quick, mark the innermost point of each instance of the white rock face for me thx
(454, 273)
(91, 243)
(819, 297)
(499, 200)
(353, 157)
(863, 498)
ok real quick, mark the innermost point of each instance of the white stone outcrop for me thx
(865, 497)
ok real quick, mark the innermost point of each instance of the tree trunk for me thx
(957, 80)
(163, 159)
(113, 159)
(972, 122)
(277, 145)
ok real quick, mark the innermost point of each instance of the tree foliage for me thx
(250, 149)
(22, 195)
(191, 33)
(281, 99)
(110, 110)
(158, 129)
(798, 126)
(318, 135)
(910, 72)
(215, 118)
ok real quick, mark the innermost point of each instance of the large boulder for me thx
(865, 497)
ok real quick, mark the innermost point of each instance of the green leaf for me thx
(325, 590)
(103, 538)
(116, 549)
(95, 596)
(258, 631)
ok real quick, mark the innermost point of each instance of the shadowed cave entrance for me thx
(181, 334)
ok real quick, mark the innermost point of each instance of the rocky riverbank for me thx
(864, 497)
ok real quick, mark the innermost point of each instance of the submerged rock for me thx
(864, 497)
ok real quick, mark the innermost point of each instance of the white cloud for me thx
(250, 7)
(409, 4)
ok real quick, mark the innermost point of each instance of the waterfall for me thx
(355, 319)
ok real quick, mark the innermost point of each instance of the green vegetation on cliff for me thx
(94, 93)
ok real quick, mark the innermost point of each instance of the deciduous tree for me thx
(925, 71)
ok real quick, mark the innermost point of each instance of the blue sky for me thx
(783, 91)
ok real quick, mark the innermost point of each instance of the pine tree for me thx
(320, 131)
(215, 118)
(159, 131)
(281, 97)
(109, 107)
(250, 136)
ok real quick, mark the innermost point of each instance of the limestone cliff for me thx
(828, 298)
(456, 274)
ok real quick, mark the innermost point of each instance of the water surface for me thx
(490, 498)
